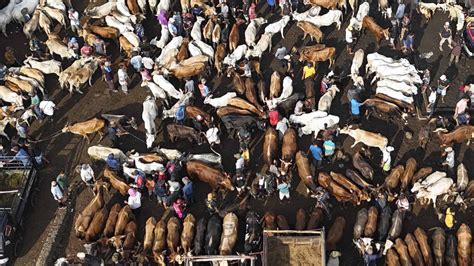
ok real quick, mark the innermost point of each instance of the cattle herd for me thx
(237, 48)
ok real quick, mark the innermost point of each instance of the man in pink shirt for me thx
(460, 111)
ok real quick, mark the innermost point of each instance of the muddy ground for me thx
(67, 150)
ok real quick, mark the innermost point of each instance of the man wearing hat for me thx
(350, 39)
(450, 160)
(446, 35)
(134, 200)
(187, 190)
(443, 86)
(387, 159)
(58, 194)
(280, 54)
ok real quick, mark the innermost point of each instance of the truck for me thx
(17, 189)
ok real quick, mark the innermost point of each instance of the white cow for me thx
(408, 79)
(149, 114)
(278, 26)
(115, 23)
(101, 152)
(286, 92)
(170, 154)
(164, 38)
(428, 181)
(324, 104)
(132, 38)
(317, 124)
(205, 48)
(183, 101)
(156, 90)
(363, 11)
(150, 138)
(101, 11)
(263, 44)
(196, 33)
(56, 46)
(153, 5)
(57, 4)
(175, 43)
(395, 94)
(305, 118)
(252, 29)
(236, 55)
(220, 101)
(312, 12)
(6, 16)
(430, 193)
(122, 8)
(9, 96)
(167, 86)
(163, 5)
(398, 86)
(193, 49)
(332, 16)
(46, 67)
(147, 168)
(356, 64)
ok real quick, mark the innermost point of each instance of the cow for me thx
(32, 73)
(288, 105)
(45, 22)
(123, 28)
(205, 48)
(327, 53)
(192, 112)
(184, 62)
(326, 3)
(360, 164)
(332, 16)
(104, 31)
(464, 237)
(208, 28)
(124, 217)
(405, 178)
(96, 226)
(229, 110)
(310, 29)
(200, 236)
(439, 245)
(149, 114)
(451, 250)
(252, 29)
(286, 92)
(282, 223)
(216, 35)
(149, 234)
(348, 185)
(339, 192)
(148, 162)
(31, 25)
(356, 178)
(214, 177)
(325, 101)
(219, 57)
(234, 35)
(462, 178)
(157, 91)
(159, 244)
(213, 235)
(87, 127)
(313, 11)
(177, 131)
(56, 46)
(384, 223)
(407, 107)
(315, 218)
(414, 250)
(270, 145)
(46, 67)
(366, 137)
(243, 104)
(264, 43)
(430, 193)
(393, 178)
(183, 101)
(359, 225)
(275, 85)
(101, 153)
(235, 122)
(425, 248)
(428, 181)
(126, 46)
(288, 149)
(188, 71)
(278, 26)
(229, 234)
(380, 106)
(335, 233)
(83, 75)
(379, 33)
(86, 215)
(392, 258)
(134, 7)
(219, 101)
(100, 11)
(251, 94)
(304, 171)
(187, 236)
(371, 224)
(402, 251)
(236, 55)
(237, 81)
(9, 96)
(300, 219)
(394, 231)
(112, 220)
(173, 237)
(459, 135)
(253, 231)
(356, 64)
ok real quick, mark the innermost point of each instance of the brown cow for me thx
(310, 29)
(237, 81)
(270, 145)
(341, 194)
(405, 106)
(243, 104)
(288, 149)
(262, 90)
(130, 236)
(351, 187)
(459, 135)
(328, 53)
(425, 248)
(382, 106)
(133, 7)
(177, 131)
(219, 56)
(414, 250)
(149, 234)
(275, 85)
(402, 251)
(226, 110)
(96, 226)
(208, 28)
(229, 234)
(112, 220)
(172, 239)
(250, 93)
(407, 175)
(85, 216)
(234, 35)
(87, 127)
(371, 224)
(360, 164)
(304, 171)
(116, 181)
(439, 245)
(159, 245)
(269, 221)
(125, 46)
(193, 112)
(32, 73)
(89, 37)
(104, 32)
(282, 223)
(379, 33)
(125, 216)
(329, 4)
(300, 219)
(254, 66)
(423, 172)
(393, 179)
(188, 70)
(392, 258)
(464, 236)
(469, 191)
(183, 50)
(335, 233)
(214, 177)
(187, 236)
(314, 219)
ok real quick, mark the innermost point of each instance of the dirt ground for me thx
(67, 150)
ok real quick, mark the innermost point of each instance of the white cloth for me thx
(57, 193)
(239, 164)
(148, 63)
(212, 135)
(87, 174)
(135, 202)
(47, 107)
(122, 77)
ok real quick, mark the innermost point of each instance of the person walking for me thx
(187, 190)
(73, 16)
(280, 54)
(431, 102)
(134, 200)
(446, 35)
(387, 159)
(99, 46)
(443, 86)
(460, 111)
(109, 77)
(455, 52)
(309, 71)
(450, 160)
(350, 39)
(87, 174)
(252, 11)
(272, 5)
(408, 43)
(283, 189)
(123, 78)
(203, 88)
(150, 186)
(160, 192)
(58, 194)
(274, 117)
(355, 110)
(62, 181)
(329, 149)
(393, 33)
(189, 85)
(317, 154)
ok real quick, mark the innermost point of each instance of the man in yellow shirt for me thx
(309, 71)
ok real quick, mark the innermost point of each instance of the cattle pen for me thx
(291, 247)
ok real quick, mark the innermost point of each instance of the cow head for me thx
(227, 184)
(117, 242)
(66, 128)
(385, 34)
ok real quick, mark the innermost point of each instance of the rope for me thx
(48, 138)
(128, 133)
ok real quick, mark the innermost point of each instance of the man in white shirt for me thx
(212, 135)
(47, 108)
(123, 78)
(57, 194)
(87, 174)
(134, 200)
(281, 127)
(74, 20)
(148, 63)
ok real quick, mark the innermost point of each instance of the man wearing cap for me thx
(134, 200)
(57, 194)
(187, 190)
(443, 86)
(387, 159)
(73, 16)
(47, 107)
(350, 39)
(446, 35)
(203, 88)
(450, 160)
(280, 55)
(449, 219)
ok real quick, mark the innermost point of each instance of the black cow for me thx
(213, 235)
(253, 232)
(200, 236)
(235, 122)
(288, 105)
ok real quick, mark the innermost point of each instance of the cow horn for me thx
(440, 130)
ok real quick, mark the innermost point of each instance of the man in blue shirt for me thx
(355, 110)
(317, 154)
(113, 163)
(187, 190)
(21, 155)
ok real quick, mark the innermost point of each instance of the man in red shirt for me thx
(274, 117)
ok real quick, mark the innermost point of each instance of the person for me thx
(329, 148)
(178, 207)
(134, 200)
(381, 200)
(402, 203)
(35, 47)
(460, 110)
(274, 117)
(178, 22)
(197, 122)
(240, 164)
(355, 109)
(317, 154)
(212, 135)
(99, 46)
(150, 186)
(211, 203)
(161, 192)
(123, 78)
(174, 189)
(239, 183)
(187, 190)
(87, 259)
(387, 159)
(189, 85)
(431, 102)
(299, 107)
(334, 258)
(283, 189)
(443, 86)
(203, 88)
(139, 30)
(400, 12)
(139, 179)
(449, 219)
(450, 160)
(281, 127)
(136, 61)
(172, 27)
(354, 91)
(455, 52)
(86, 50)
(113, 163)
(252, 11)
(109, 76)
(73, 16)
(446, 35)
(309, 71)
(224, 10)
(74, 45)
(10, 57)
(326, 82)
(350, 39)
(245, 152)
(285, 7)
(145, 74)
(58, 194)
(62, 180)
(280, 55)
(187, 23)
(196, 10)
(114, 132)
(21, 154)
(87, 174)
(273, 169)
(405, 22)
(408, 43)
(225, 33)
(393, 33)
(370, 259)
(271, 4)
(21, 127)
(3, 73)
(147, 62)
(47, 108)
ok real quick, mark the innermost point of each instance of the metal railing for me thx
(16, 162)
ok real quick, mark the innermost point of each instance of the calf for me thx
(176, 131)
(459, 135)
(327, 53)
(86, 127)
(379, 33)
